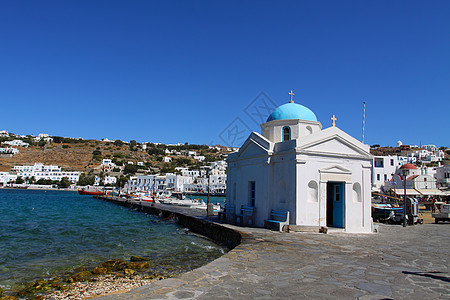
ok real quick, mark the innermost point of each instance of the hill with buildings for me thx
(89, 155)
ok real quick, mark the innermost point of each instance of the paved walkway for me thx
(397, 263)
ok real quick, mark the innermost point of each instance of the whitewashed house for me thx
(17, 143)
(6, 177)
(383, 168)
(321, 176)
(443, 176)
(9, 151)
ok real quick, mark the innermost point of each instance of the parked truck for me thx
(442, 212)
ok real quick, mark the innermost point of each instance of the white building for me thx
(18, 143)
(4, 133)
(383, 168)
(44, 137)
(106, 180)
(9, 150)
(321, 176)
(6, 177)
(443, 176)
(41, 171)
(167, 159)
(199, 157)
(177, 183)
(430, 147)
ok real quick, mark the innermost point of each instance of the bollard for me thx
(210, 210)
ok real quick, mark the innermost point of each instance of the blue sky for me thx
(197, 71)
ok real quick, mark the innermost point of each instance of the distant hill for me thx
(86, 155)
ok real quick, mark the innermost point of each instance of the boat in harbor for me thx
(385, 212)
(90, 193)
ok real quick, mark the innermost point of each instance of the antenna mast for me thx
(364, 120)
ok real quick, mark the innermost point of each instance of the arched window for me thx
(357, 192)
(286, 133)
(313, 191)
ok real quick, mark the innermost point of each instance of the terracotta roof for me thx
(411, 177)
(408, 167)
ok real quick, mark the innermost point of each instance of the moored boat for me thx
(90, 193)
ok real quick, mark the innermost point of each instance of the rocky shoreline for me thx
(103, 285)
(111, 276)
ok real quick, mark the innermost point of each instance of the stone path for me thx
(397, 263)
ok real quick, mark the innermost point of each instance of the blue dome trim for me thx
(292, 111)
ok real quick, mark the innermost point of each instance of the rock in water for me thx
(99, 270)
(128, 272)
(138, 258)
(115, 264)
(82, 276)
(138, 265)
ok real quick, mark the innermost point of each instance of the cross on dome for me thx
(292, 97)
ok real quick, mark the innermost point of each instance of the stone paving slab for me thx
(396, 263)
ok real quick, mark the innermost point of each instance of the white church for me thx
(322, 177)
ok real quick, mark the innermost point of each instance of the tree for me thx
(64, 182)
(121, 181)
(19, 180)
(86, 180)
(130, 169)
(57, 139)
(133, 145)
(118, 143)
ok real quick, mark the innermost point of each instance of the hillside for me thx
(87, 155)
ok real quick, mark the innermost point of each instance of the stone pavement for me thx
(396, 263)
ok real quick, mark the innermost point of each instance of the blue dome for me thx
(292, 111)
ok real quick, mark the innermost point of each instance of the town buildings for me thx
(185, 181)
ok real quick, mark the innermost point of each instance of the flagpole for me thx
(364, 120)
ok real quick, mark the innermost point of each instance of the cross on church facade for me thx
(333, 118)
(292, 97)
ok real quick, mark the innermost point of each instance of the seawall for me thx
(193, 219)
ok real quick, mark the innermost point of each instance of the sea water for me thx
(48, 233)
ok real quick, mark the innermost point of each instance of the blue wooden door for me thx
(338, 204)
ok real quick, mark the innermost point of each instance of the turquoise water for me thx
(48, 233)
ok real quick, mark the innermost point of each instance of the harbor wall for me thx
(182, 216)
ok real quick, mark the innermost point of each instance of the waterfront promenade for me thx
(396, 263)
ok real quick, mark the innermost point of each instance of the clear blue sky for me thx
(193, 71)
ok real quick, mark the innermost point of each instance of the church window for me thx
(308, 129)
(251, 193)
(286, 133)
(356, 192)
(313, 191)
